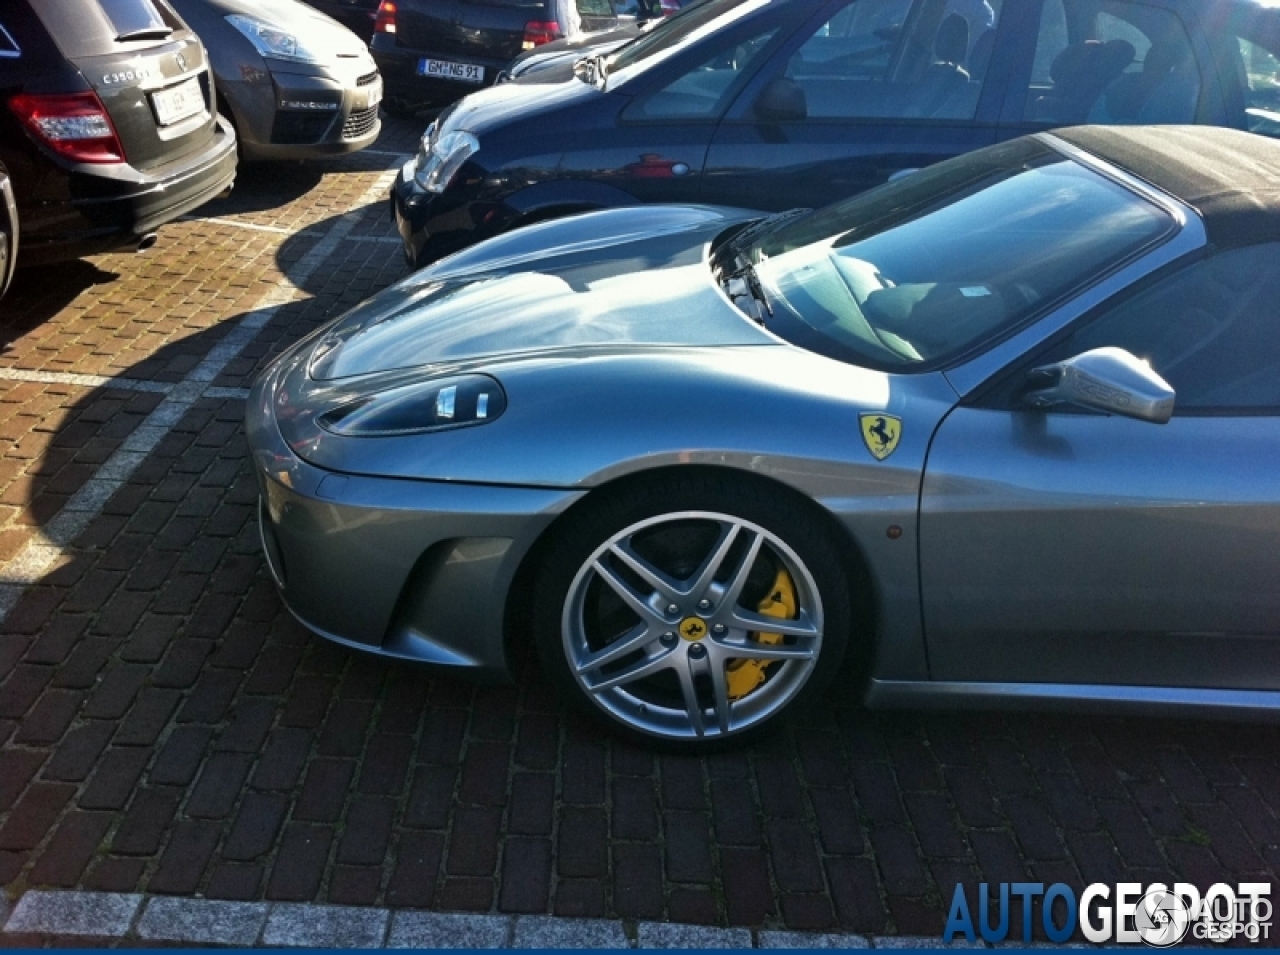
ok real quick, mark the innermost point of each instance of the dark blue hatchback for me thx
(774, 104)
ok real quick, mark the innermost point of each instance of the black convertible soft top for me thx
(1231, 178)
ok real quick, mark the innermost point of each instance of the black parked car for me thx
(8, 231)
(107, 123)
(776, 104)
(432, 52)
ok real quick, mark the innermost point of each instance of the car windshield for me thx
(921, 271)
(678, 32)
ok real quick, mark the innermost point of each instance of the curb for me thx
(110, 915)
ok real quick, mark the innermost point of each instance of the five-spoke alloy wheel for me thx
(686, 614)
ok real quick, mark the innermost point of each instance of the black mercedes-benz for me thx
(108, 125)
(777, 104)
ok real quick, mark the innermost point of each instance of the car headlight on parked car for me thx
(442, 156)
(274, 41)
(434, 405)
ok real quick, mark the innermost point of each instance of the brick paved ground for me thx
(165, 727)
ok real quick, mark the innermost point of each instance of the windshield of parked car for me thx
(677, 33)
(921, 271)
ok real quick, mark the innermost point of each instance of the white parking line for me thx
(289, 924)
(223, 220)
(279, 230)
(49, 543)
(84, 381)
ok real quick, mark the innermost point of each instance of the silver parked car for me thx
(1003, 432)
(296, 84)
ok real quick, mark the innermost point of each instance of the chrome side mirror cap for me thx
(1110, 380)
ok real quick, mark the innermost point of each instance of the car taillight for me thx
(75, 125)
(385, 20)
(538, 32)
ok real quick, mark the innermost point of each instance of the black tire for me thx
(399, 108)
(562, 594)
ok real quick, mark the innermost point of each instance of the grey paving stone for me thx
(544, 931)
(922, 941)
(101, 914)
(447, 930)
(669, 935)
(202, 921)
(325, 926)
(775, 939)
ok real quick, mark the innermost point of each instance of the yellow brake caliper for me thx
(743, 676)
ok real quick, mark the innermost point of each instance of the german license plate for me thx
(374, 94)
(178, 102)
(444, 69)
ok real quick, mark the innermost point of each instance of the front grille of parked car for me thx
(359, 123)
(299, 129)
(368, 79)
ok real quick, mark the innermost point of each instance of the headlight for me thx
(423, 406)
(442, 156)
(271, 40)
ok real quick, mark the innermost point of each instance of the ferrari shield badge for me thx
(881, 433)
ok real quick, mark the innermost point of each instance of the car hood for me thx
(521, 99)
(634, 277)
(293, 15)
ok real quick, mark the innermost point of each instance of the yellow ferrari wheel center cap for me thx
(693, 628)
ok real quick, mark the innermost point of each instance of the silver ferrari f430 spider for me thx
(1003, 432)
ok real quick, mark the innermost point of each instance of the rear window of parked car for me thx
(92, 27)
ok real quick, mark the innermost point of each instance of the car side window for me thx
(1212, 330)
(1111, 62)
(1259, 70)
(899, 59)
(702, 92)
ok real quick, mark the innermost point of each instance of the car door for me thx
(863, 91)
(1059, 546)
(657, 150)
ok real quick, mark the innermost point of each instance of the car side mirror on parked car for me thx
(781, 100)
(1110, 380)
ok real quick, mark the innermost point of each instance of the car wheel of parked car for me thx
(690, 611)
(399, 108)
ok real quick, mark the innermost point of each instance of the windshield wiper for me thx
(743, 287)
(755, 230)
(146, 33)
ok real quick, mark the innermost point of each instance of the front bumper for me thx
(433, 225)
(301, 116)
(414, 570)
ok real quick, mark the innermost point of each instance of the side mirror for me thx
(1105, 379)
(780, 101)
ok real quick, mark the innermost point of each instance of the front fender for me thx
(569, 193)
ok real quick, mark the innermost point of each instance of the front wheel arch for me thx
(518, 612)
